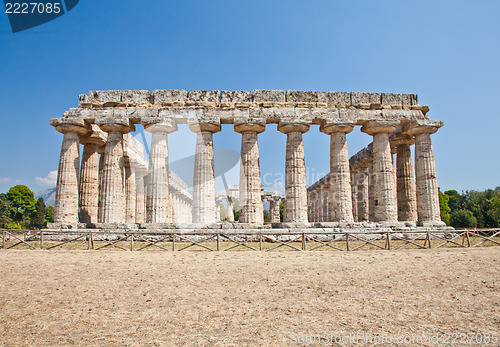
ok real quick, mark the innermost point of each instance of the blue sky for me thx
(447, 52)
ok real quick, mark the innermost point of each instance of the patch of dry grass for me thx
(245, 298)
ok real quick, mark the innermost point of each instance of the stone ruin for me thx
(113, 187)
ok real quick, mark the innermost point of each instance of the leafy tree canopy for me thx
(22, 198)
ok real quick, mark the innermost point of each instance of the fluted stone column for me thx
(159, 205)
(354, 194)
(425, 171)
(140, 196)
(362, 195)
(101, 150)
(371, 192)
(130, 193)
(230, 210)
(274, 210)
(383, 170)
(407, 199)
(218, 216)
(89, 175)
(204, 180)
(340, 176)
(326, 202)
(295, 173)
(66, 204)
(251, 208)
(112, 205)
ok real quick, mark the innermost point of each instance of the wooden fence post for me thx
(429, 239)
(41, 239)
(468, 238)
(347, 241)
(303, 242)
(131, 242)
(3, 239)
(388, 241)
(260, 242)
(218, 242)
(173, 243)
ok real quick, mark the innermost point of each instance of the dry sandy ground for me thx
(244, 298)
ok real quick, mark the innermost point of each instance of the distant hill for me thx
(49, 196)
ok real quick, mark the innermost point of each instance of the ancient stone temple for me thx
(112, 185)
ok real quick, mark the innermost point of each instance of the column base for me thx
(57, 226)
(121, 226)
(431, 224)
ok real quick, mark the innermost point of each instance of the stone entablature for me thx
(247, 99)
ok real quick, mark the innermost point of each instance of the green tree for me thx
(494, 206)
(463, 219)
(38, 217)
(5, 210)
(223, 212)
(266, 216)
(445, 208)
(22, 198)
(282, 206)
(455, 200)
(49, 214)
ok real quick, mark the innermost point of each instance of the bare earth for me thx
(244, 298)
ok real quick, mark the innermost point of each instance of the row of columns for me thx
(111, 189)
(377, 191)
(118, 184)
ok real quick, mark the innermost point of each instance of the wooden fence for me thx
(140, 240)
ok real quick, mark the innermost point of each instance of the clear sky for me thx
(447, 52)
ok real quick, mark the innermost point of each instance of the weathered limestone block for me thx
(392, 99)
(112, 209)
(236, 96)
(340, 177)
(230, 210)
(105, 96)
(383, 170)
(251, 209)
(340, 99)
(136, 96)
(301, 96)
(159, 206)
(358, 98)
(204, 95)
(268, 95)
(204, 180)
(295, 173)
(169, 95)
(66, 204)
(407, 200)
(274, 211)
(425, 169)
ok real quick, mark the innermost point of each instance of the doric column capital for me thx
(94, 136)
(290, 127)
(243, 127)
(199, 125)
(402, 139)
(70, 125)
(380, 126)
(329, 127)
(122, 125)
(423, 126)
(166, 126)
